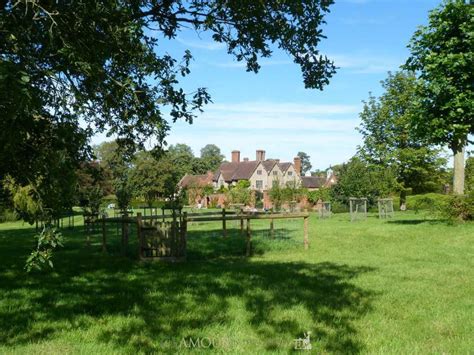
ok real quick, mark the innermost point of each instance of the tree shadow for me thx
(156, 302)
(212, 244)
(416, 221)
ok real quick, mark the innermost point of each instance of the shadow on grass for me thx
(417, 221)
(211, 244)
(137, 307)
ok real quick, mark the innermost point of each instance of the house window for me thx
(259, 184)
(275, 173)
(290, 173)
(259, 172)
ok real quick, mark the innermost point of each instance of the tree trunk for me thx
(403, 199)
(458, 183)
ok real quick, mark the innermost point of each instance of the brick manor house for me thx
(261, 173)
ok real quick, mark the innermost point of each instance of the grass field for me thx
(402, 286)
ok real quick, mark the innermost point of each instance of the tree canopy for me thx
(356, 178)
(442, 57)
(305, 162)
(154, 178)
(101, 62)
(212, 157)
(389, 141)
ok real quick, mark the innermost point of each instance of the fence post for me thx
(241, 222)
(174, 227)
(104, 235)
(306, 240)
(224, 230)
(350, 209)
(184, 230)
(124, 234)
(249, 239)
(139, 232)
(87, 224)
(272, 231)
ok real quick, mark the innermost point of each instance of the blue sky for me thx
(273, 111)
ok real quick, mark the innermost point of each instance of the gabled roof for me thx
(312, 182)
(236, 171)
(199, 180)
(284, 166)
(268, 164)
(331, 180)
(243, 170)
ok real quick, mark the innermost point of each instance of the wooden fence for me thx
(164, 236)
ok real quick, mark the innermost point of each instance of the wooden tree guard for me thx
(358, 208)
(385, 206)
(325, 210)
(162, 240)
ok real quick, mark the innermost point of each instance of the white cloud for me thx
(284, 107)
(361, 63)
(326, 132)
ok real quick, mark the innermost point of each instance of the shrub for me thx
(240, 193)
(427, 202)
(322, 194)
(459, 208)
(7, 215)
(338, 207)
(213, 202)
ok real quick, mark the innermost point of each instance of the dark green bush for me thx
(338, 207)
(427, 202)
(459, 208)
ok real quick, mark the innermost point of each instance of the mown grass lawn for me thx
(400, 286)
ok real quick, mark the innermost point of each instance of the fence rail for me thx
(222, 216)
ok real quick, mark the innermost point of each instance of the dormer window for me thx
(275, 173)
(259, 172)
(290, 173)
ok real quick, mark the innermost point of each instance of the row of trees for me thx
(426, 106)
(146, 176)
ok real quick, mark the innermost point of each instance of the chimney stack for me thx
(277, 161)
(297, 163)
(235, 156)
(260, 155)
(246, 159)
